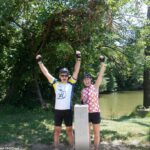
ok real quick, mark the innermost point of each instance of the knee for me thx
(69, 131)
(96, 135)
(56, 131)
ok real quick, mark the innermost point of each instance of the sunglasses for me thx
(64, 75)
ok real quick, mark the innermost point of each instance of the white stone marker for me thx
(81, 126)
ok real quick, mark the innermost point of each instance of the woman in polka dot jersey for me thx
(90, 96)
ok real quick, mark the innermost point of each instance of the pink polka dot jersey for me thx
(89, 96)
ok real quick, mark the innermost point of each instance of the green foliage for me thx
(147, 62)
(111, 83)
(56, 29)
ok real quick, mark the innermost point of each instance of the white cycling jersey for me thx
(63, 93)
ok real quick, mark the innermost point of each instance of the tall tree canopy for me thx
(56, 29)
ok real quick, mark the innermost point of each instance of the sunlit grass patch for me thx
(26, 127)
(132, 128)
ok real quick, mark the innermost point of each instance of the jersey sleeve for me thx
(53, 82)
(72, 80)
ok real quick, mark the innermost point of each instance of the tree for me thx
(55, 29)
(121, 43)
(147, 64)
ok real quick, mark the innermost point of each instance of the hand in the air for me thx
(78, 54)
(102, 58)
(38, 58)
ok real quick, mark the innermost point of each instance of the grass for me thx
(128, 130)
(26, 127)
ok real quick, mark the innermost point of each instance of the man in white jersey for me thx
(63, 99)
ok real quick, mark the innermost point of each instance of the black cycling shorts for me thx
(63, 115)
(95, 117)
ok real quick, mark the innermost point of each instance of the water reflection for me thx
(120, 103)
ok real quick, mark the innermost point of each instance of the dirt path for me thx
(103, 146)
(115, 145)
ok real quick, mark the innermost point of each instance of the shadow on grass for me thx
(112, 135)
(149, 135)
(27, 127)
(141, 123)
(134, 114)
(132, 118)
(126, 118)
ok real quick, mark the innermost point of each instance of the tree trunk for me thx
(38, 91)
(147, 72)
(146, 88)
(10, 93)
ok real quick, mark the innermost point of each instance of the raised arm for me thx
(101, 72)
(43, 68)
(77, 65)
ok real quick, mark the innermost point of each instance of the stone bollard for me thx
(81, 127)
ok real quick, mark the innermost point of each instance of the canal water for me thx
(116, 105)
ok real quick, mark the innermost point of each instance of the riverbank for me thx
(34, 129)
